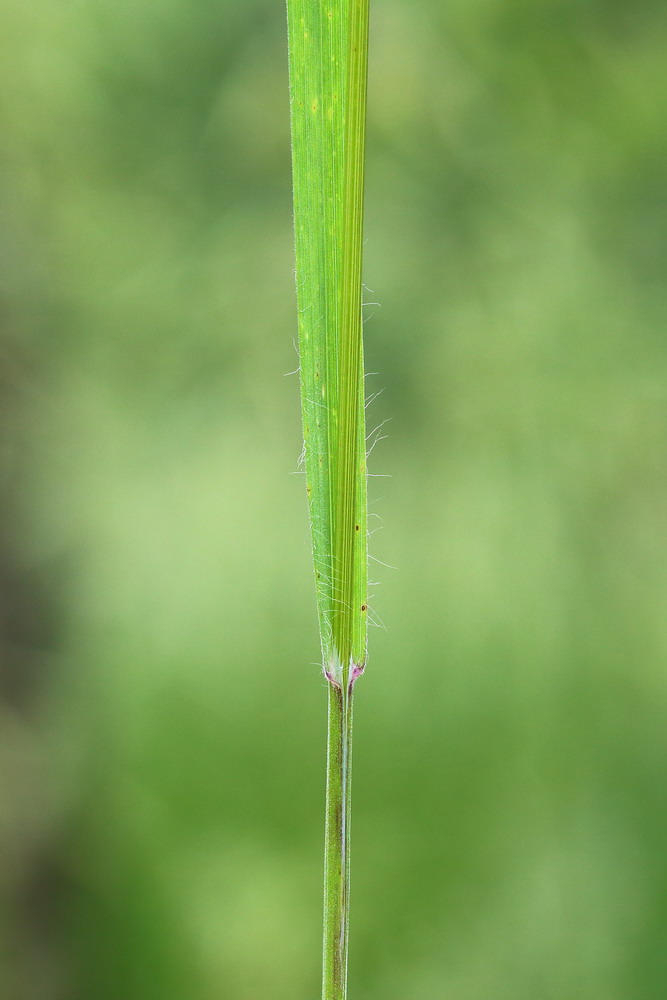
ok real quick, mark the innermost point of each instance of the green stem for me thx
(337, 844)
(328, 50)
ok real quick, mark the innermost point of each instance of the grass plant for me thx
(328, 51)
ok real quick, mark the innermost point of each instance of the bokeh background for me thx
(162, 715)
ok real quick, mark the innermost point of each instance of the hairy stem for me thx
(328, 50)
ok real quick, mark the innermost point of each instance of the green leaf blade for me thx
(328, 66)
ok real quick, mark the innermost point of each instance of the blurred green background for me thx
(162, 715)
